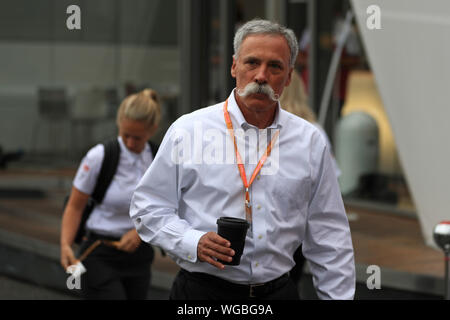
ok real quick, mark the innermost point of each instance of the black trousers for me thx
(297, 271)
(202, 286)
(116, 275)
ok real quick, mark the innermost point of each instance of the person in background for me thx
(290, 197)
(295, 100)
(121, 270)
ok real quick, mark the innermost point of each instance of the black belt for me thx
(242, 290)
(96, 236)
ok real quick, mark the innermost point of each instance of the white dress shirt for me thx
(337, 170)
(295, 199)
(111, 217)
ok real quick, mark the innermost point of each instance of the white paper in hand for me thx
(76, 270)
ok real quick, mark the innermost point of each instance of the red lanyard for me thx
(248, 206)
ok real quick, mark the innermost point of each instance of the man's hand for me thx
(211, 247)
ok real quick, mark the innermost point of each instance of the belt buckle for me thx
(251, 287)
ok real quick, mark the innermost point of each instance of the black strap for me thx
(154, 147)
(108, 170)
(109, 167)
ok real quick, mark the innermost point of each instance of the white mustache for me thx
(254, 87)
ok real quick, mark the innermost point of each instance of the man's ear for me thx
(233, 68)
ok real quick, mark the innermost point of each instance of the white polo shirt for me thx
(111, 217)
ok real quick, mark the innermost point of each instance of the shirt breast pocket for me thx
(291, 196)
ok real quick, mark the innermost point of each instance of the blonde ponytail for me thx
(142, 106)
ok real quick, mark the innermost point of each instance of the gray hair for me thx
(266, 27)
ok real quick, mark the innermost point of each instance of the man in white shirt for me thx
(290, 197)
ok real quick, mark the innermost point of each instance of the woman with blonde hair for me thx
(295, 99)
(119, 268)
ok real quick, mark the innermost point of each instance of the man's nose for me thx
(261, 75)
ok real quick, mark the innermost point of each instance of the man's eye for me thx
(276, 65)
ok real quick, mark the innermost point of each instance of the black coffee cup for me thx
(234, 230)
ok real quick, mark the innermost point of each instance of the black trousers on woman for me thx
(116, 275)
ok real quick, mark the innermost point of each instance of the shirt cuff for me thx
(190, 243)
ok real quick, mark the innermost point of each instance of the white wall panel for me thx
(23, 64)
(409, 56)
(27, 66)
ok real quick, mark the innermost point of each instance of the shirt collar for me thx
(236, 113)
(131, 156)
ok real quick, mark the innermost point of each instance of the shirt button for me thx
(256, 264)
(189, 257)
(258, 207)
(260, 237)
(258, 177)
